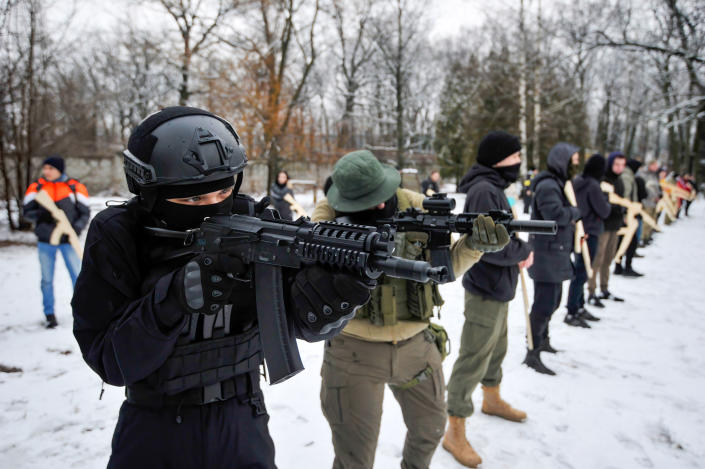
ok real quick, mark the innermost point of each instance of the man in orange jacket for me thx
(70, 196)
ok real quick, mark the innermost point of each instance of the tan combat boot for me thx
(493, 404)
(456, 444)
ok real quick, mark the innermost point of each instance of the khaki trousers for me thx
(483, 345)
(354, 374)
(606, 249)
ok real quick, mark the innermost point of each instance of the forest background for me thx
(305, 81)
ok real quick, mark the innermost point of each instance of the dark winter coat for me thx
(552, 253)
(427, 184)
(277, 193)
(495, 275)
(68, 194)
(121, 306)
(593, 203)
(615, 220)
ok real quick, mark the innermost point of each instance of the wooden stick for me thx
(63, 226)
(300, 211)
(580, 242)
(525, 296)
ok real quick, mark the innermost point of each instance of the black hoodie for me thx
(552, 253)
(495, 275)
(593, 203)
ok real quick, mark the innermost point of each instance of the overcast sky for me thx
(448, 16)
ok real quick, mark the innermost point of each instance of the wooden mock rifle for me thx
(633, 209)
(580, 241)
(300, 211)
(63, 226)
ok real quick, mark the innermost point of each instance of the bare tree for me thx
(279, 50)
(196, 22)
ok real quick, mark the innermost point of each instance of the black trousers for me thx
(547, 299)
(222, 435)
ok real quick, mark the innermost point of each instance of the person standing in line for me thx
(278, 191)
(653, 194)
(429, 186)
(594, 208)
(489, 287)
(552, 264)
(607, 241)
(71, 197)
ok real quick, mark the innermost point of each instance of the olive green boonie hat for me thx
(360, 182)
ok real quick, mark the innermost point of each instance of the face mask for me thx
(370, 217)
(185, 217)
(509, 173)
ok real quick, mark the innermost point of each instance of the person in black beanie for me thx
(594, 208)
(489, 285)
(552, 264)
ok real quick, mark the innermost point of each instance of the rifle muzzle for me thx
(418, 271)
(539, 227)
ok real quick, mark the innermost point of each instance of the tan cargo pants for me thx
(607, 245)
(354, 374)
(483, 346)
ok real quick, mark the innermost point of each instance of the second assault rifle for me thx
(438, 222)
(268, 243)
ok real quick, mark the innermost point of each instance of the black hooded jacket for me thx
(552, 253)
(593, 203)
(615, 220)
(277, 194)
(495, 275)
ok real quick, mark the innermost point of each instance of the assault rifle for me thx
(269, 243)
(439, 223)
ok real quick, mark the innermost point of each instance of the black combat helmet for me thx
(182, 146)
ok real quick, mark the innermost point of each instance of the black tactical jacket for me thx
(119, 299)
(495, 275)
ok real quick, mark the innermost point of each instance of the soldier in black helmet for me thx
(180, 332)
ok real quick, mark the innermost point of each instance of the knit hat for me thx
(595, 166)
(55, 161)
(496, 146)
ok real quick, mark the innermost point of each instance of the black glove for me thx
(205, 283)
(324, 301)
(575, 214)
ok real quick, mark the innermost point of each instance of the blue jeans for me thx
(576, 292)
(47, 259)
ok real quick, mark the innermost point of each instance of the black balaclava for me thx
(370, 216)
(182, 217)
(509, 173)
(595, 167)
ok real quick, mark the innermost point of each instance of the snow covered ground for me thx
(630, 392)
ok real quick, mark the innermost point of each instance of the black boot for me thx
(606, 295)
(547, 347)
(594, 300)
(51, 322)
(585, 315)
(575, 320)
(629, 272)
(618, 269)
(533, 360)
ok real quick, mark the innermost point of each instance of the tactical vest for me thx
(210, 362)
(397, 299)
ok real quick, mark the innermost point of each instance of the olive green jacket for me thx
(462, 257)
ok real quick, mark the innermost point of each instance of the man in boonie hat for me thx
(391, 340)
